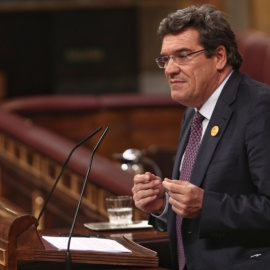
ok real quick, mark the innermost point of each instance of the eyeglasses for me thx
(179, 59)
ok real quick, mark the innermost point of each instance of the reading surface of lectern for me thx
(21, 242)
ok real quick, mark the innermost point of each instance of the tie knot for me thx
(198, 118)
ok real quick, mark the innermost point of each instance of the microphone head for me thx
(132, 154)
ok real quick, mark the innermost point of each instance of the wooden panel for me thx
(32, 183)
(129, 128)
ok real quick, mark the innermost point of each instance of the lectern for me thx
(21, 242)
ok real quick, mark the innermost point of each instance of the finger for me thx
(171, 185)
(141, 178)
(151, 176)
(177, 186)
(144, 193)
(154, 184)
(180, 205)
(176, 182)
(142, 201)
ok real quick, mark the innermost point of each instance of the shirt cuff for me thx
(164, 214)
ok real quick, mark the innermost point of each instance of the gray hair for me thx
(213, 26)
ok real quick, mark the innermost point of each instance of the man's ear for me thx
(221, 57)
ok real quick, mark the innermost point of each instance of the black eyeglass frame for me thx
(186, 55)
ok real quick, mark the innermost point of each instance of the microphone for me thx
(63, 168)
(68, 257)
(138, 157)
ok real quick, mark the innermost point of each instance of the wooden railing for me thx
(28, 174)
(37, 134)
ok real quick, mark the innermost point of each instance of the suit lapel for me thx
(209, 143)
(220, 117)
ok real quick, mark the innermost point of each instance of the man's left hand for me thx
(185, 198)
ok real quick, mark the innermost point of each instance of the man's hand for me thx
(149, 193)
(185, 198)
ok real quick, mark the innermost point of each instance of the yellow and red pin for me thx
(214, 131)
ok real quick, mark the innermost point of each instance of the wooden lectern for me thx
(20, 242)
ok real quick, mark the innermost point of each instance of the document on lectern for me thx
(87, 244)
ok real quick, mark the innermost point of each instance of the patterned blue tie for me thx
(186, 169)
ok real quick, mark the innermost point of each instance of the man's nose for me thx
(172, 67)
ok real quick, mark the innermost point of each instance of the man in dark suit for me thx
(225, 203)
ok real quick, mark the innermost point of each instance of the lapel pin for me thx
(214, 131)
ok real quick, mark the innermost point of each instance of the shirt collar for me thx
(208, 107)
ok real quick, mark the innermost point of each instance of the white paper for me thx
(87, 244)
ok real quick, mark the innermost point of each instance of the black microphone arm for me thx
(63, 168)
(68, 257)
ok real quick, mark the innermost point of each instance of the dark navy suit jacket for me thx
(233, 168)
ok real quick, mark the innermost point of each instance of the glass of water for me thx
(119, 210)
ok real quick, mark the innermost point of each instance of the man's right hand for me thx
(149, 193)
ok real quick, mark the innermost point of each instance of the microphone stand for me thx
(68, 257)
(63, 168)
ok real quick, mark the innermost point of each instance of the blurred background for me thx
(95, 46)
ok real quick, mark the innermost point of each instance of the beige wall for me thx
(151, 78)
(217, 3)
(260, 15)
(239, 13)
